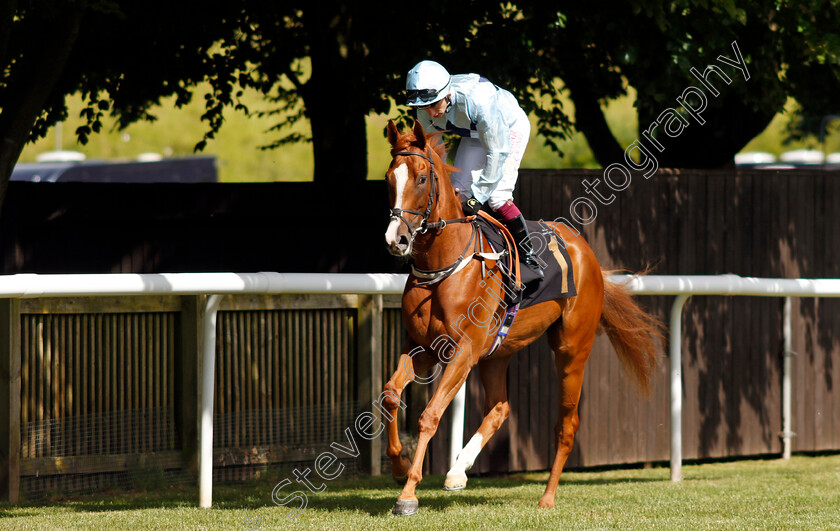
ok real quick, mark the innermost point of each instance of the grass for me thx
(772, 139)
(803, 493)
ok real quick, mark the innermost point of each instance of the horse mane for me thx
(434, 140)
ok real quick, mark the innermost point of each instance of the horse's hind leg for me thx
(571, 340)
(496, 409)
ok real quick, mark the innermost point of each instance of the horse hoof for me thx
(455, 482)
(406, 507)
(546, 504)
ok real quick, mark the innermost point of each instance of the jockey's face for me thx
(437, 109)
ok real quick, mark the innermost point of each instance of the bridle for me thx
(434, 193)
(473, 249)
(397, 213)
(474, 245)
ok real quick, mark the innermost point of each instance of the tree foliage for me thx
(335, 62)
(330, 62)
(123, 57)
(597, 52)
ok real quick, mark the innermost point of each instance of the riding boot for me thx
(519, 231)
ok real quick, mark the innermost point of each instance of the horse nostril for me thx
(403, 241)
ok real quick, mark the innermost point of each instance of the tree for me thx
(335, 62)
(596, 52)
(331, 62)
(123, 57)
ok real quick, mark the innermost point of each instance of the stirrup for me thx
(531, 262)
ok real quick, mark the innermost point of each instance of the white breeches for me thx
(470, 159)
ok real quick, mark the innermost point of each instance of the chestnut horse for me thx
(428, 225)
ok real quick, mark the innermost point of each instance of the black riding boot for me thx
(519, 231)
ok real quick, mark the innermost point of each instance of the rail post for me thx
(9, 400)
(208, 377)
(787, 383)
(676, 386)
(370, 372)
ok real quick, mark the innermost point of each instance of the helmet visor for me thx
(422, 97)
(424, 94)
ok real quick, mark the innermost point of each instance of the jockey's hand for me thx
(471, 206)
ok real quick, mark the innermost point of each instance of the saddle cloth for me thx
(559, 280)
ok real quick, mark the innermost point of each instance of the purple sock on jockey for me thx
(508, 211)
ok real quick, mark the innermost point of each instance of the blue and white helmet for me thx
(427, 83)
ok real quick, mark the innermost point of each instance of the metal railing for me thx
(684, 286)
(215, 284)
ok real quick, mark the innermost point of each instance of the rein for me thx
(435, 275)
(475, 242)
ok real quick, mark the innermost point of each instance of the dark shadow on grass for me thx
(564, 480)
(376, 497)
(433, 498)
(18, 512)
(611, 481)
(379, 505)
(133, 505)
(439, 500)
(114, 501)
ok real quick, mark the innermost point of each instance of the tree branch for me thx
(32, 82)
(589, 120)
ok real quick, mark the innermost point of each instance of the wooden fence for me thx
(752, 223)
(288, 368)
(756, 223)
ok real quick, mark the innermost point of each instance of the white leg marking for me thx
(468, 455)
(401, 174)
(456, 478)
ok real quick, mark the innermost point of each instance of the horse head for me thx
(419, 189)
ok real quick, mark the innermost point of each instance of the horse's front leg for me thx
(414, 361)
(453, 377)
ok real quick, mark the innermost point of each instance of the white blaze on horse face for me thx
(401, 178)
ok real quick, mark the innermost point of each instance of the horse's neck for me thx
(439, 249)
(442, 248)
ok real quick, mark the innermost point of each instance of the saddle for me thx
(550, 250)
(523, 288)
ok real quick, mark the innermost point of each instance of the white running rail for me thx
(683, 286)
(32, 286)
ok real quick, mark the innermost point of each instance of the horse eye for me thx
(421, 179)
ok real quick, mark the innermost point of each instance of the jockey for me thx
(494, 132)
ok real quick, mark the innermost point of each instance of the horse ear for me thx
(420, 134)
(393, 134)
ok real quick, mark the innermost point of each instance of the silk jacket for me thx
(479, 109)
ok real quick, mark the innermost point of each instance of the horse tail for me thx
(632, 331)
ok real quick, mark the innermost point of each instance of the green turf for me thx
(803, 493)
